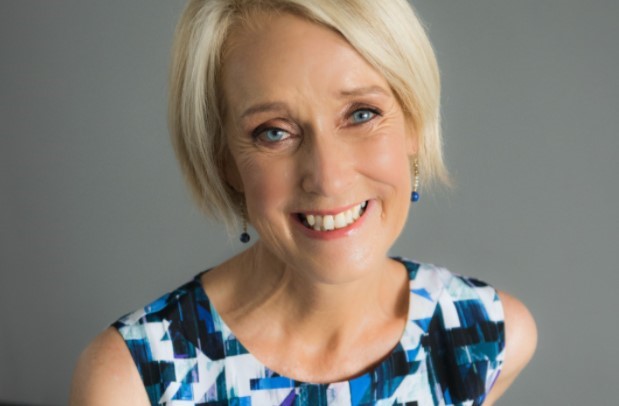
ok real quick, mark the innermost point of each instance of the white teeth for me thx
(331, 222)
(349, 217)
(340, 220)
(328, 223)
(317, 223)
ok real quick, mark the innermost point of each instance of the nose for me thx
(327, 166)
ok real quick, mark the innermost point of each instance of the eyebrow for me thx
(280, 106)
(362, 91)
(264, 107)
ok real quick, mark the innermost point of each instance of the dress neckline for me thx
(391, 364)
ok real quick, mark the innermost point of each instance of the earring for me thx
(415, 194)
(245, 237)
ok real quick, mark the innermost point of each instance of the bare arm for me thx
(520, 343)
(106, 374)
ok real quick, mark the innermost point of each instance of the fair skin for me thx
(312, 130)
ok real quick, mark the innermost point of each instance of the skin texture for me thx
(311, 127)
(106, 375)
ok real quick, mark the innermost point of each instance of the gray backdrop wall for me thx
(95, 220)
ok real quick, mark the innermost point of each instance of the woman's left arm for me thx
(520, 343)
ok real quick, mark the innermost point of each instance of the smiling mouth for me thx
(331, 222)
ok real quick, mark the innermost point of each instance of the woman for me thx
(313, 121)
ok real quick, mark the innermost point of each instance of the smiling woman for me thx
(321, 159)
(312, 121)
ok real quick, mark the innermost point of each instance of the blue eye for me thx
(362, 116)
(274, 134)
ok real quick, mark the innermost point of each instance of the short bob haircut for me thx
(387, 33)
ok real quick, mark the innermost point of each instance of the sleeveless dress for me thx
(450, 353)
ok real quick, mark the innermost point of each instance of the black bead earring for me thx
(245, 237)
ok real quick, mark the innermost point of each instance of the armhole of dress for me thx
(133, 346)
(494, 325)
(489, 295)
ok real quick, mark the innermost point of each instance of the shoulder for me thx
(520, 330)
(109, 371)
(106, 374)
(520, 343)
(469, 296)
(516, 331)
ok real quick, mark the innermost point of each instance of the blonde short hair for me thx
(387, 33)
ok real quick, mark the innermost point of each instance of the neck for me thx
(321, 313)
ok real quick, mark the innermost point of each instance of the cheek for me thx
(267, 187)
(387, 160)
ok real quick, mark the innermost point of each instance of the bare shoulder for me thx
(106, 374)
(520, 343)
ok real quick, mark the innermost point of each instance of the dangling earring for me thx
(415, 194)
(245, 237)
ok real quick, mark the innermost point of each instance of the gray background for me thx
(95, 220)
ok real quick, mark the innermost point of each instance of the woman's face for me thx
(319, 147)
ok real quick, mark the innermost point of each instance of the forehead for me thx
(286, 56)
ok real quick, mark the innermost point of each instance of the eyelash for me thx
(356, 109)
(263, 129)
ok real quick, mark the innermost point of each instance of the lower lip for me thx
(337, 233)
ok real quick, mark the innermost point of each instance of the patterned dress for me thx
(450, 353)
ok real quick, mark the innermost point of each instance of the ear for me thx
(231, 173)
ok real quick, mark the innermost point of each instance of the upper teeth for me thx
(334, 221)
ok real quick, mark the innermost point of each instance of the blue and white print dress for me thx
(451, 352)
